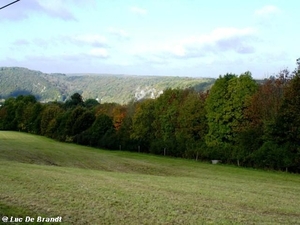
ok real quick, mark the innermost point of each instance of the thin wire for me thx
(9, 4)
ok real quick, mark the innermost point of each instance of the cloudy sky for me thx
(202, 38)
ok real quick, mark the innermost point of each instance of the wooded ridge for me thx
(120, 89)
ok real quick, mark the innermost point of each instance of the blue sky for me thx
(151, 37)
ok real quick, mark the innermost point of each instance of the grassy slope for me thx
(88, 186)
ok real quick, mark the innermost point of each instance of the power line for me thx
(9, 4)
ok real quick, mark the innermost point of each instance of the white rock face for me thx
(147, 92)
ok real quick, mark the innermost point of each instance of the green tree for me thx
(83, 122)
(75, 100)
(218, 116)
(14, 111)
(8, 115)
(192, 125)
(90, 103)
(60, 132)
(289, 117)
(30, 117)
(166, 113)
(273, 156)
(240, 90)
(71, 120)
(49, 119)
(101, 131)
(124, 135)
(225, 107)
(34, 120)
(142, 124)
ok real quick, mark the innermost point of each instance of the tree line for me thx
(238, 121)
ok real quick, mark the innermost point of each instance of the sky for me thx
(192, 38)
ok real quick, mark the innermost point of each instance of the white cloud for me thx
(98, 52)
(228, 32)
(91, 39)
(21, 42)
(176, 49)
(138, 10)
(54, 8)
(218, 41)
(118, 32)
(152, 59)
(267, 10)
(54, 5)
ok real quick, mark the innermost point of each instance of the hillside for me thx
(42, 177)
(105, 87)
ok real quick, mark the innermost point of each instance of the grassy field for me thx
(42, 177)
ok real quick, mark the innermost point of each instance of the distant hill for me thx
(121, 89)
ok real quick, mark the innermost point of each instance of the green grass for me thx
(40, 176)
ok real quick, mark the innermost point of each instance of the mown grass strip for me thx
(117, 187)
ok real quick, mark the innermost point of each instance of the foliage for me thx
(90, 103)
(75, 100)
(217, 119)
(273, 156)
(225, 106)
(142, 124)
(49, 119)
(100, 130)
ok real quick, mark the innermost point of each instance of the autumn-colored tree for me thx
(3, 114)
(105, 108)
(286, 130)
(125, 130)
(264, 105)
(118, 113)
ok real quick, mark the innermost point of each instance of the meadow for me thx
(43, 177)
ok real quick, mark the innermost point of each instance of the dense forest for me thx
(15, 81)
(238, 121)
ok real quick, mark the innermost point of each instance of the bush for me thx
(273, 156)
